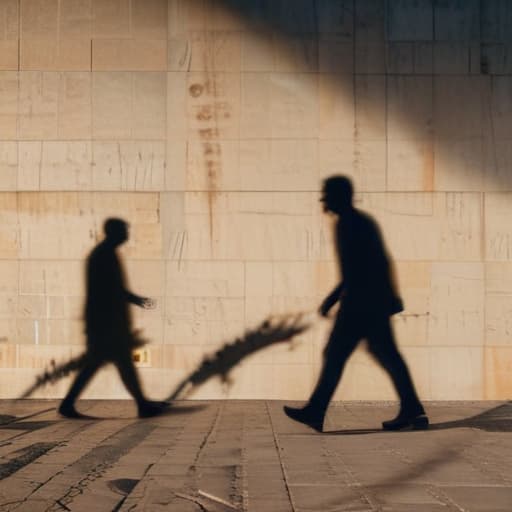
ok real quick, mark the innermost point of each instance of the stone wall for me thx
(209, 126)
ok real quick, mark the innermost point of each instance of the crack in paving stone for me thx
(26, 455)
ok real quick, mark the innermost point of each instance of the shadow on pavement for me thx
(497, 419)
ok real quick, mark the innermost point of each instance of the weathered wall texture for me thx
(209, 126)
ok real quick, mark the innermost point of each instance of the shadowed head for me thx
(116, 230)
(337, 194)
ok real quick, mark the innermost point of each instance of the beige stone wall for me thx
(209, 126)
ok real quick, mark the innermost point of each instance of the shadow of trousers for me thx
(95, 360)
(349, 329)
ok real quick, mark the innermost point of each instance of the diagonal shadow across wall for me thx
(430, 80)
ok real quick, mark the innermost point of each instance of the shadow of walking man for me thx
(368, 298)
(108, 325)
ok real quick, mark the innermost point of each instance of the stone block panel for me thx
(55, 165)
(336, 116)
(496, 20)
(205, 279)
(39, 356)
(205, 51)
(370, 107)
(55, 55)
(248, 165)
(369, 21)
(501, 106)
(129, 55)
(404, 58)
(455, 21)
(38, 104)
(409, 107)
(457, 58)
(149, 19)
(256, 51)
(498, 240)
(498, 303)
(47, 331)
(369, 58)
(53, 278)
(8, 355)
(457, 304)
(8, 165)
(263, 168)
(297, 54)
(410, 21)
(111, 19)
(426, 226)
(9, 229)
(128, 165)
(456, 373)
(39, 19)
(414, 280)
(498, 365)
(203, 320)
(54, 105)
(9, 55)
(202, 106)
(364, 161)
(335, 54)
(9, 20)
(74, 104)
(461, 164)
(279, 104)
(129, 105)
(9, 104)
(67, 225)
(268, 226)
(411, 165)
(496, 58)
(461, 105)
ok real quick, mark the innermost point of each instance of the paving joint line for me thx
(281, 463)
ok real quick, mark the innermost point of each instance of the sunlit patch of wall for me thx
(209, 125)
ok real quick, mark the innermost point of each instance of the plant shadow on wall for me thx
(424, 78)
(273, 330)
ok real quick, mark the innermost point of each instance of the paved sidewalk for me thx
(222, 456)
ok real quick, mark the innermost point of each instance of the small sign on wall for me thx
(141, 357)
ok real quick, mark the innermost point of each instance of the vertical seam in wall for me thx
(354, 81)
(434, 135)
(484, 312)
(60, 75)
(18, 87)
(433, 105)
(386, 150)
(486, 107)
(19, 35)
(58, 23)
(240, 34)
(91, 110)
(386, 112)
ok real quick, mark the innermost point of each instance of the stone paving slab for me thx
(247, 456)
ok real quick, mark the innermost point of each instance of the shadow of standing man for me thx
(367, 299)
(110, 337)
